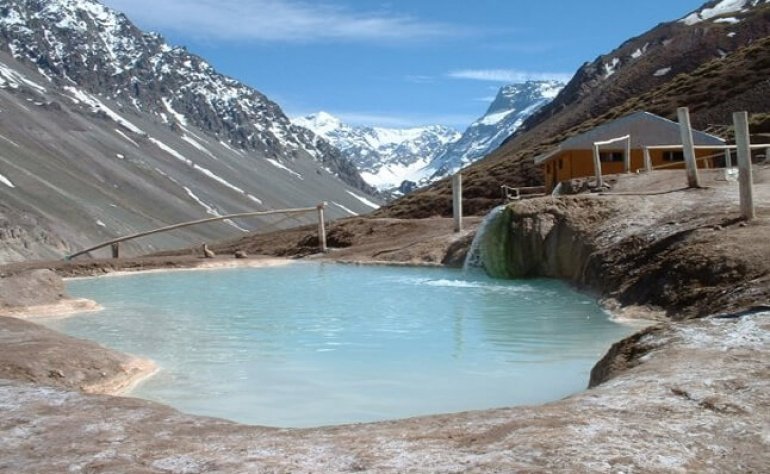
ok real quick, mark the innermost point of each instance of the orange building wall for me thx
(580, 163)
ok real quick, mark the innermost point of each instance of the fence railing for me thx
(523, 192)
(115, 243)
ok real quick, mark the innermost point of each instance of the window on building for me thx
(673, 156)
(611, 156)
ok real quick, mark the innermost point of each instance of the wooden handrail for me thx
(513, 194)
(301, 210)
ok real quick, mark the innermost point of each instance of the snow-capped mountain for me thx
(386, 157)
(106, 130)
(513, 104)
(400, 159)
(85, 46)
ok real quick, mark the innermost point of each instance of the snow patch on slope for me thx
(10, 141)
(197, 145)
(611, 67)
(6, 181)
(177, 116)
(14, 80)
(364, 200)
(352, 213)
(209, 209)
(170, 151)
(127, 138)
(96, 105)
(200, 169)
(724, 7)
(281, 166)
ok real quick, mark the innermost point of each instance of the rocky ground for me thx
(691, 394)
(684, 252)
(697, 401)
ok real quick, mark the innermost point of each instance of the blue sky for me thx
(400, 62)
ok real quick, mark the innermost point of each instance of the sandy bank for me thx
(132, 372)
(60, 309)
(35, 354)
(183, 265)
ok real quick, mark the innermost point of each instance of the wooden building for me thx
(574, 158)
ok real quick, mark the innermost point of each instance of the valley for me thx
(107, 130)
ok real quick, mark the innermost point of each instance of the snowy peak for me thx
(513, 99)
(385, 156)
(520, 96)
(512, 105)
(322, 123)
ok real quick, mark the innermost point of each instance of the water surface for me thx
(313, 344)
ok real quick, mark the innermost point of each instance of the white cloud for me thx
(508, 75)
(279, 20)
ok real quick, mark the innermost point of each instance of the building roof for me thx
(646, 129)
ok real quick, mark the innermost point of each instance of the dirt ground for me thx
(691, 394)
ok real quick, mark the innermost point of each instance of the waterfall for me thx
(476, 253)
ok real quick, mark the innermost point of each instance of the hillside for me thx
(717, 67)
(106, 130)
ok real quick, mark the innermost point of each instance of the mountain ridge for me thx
(85, 39)
(101, 138)
(400, 160)
(385, 157)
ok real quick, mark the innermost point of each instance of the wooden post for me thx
(728, 159)
(688, 146)
(116, 250)
(647, 160)
(745, 179)
(598, 167)
(457, 201)
(321, 227)
(627, 157)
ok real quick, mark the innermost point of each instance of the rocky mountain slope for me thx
(513, 104)
(715, 61)
(106, 130)
(385, 156)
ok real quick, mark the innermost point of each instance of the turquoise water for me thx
(312, 344)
